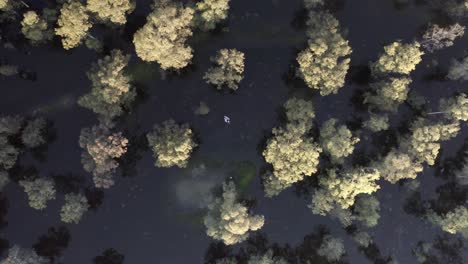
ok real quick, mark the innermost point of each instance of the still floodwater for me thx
(152, 215)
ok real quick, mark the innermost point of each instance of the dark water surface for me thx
(149, 215)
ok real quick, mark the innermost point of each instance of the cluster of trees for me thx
(19, 255)
(324, 63)
(163, 39)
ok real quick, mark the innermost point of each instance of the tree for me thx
(266, 258)
(454, 222)
(377, 123)
(228, 220)
(424, 142)
(342, 189)
(35, 28)
(228, 71)
(101, 149)
(299, 111)
(210, 13)
(331, 248)
(456, 108)
(162, 38)
(33, 133)
(398, 58)
(18, 255)
(8, 153)
(74, 208)
(39, 192)
(114, 11)
(111, 89)
(458, 70)
(366, 209)
(172, 144)
(437, 38)
(73, 24)
(323, 64)
(387, 95)
(292, 155)
(362, 238)
(398, 165)
(337, 141)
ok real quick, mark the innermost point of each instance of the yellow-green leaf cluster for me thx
(424, 142)
(337, 141)
(228, 220)
(342, 189)
(39, 192)
(398, 58)
(453, 222)
(115, 11)
(228, 71)
(377, 123)
(162, 39)
(398, 165)
(293, 156)
(172, 144)
(456, 108)
(35, 28)
(388, 94)
(324, 63)
(211, 12)
(73, 24)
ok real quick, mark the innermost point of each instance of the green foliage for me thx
(73, 24)
(456, 108)
(101, 148)
(362, 238)
(398, 165)
(228, 71)
(398, 58)
(324, 64)
(454, 222)
(366, 209)
(300, 111)
(74, 208)
(114, 11)
(35, 28)
(331, 248)
(337, 141)
(162, 38)
(39, 192)
(266, 258)
(458, 70)
(424, 142)
(293, 156)
(210, 12)
(377, 123)
(342, 189)
(388, 94)
(111, 89)
(18, 255)
(228, 220)
(172, 144)
(33, 134)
